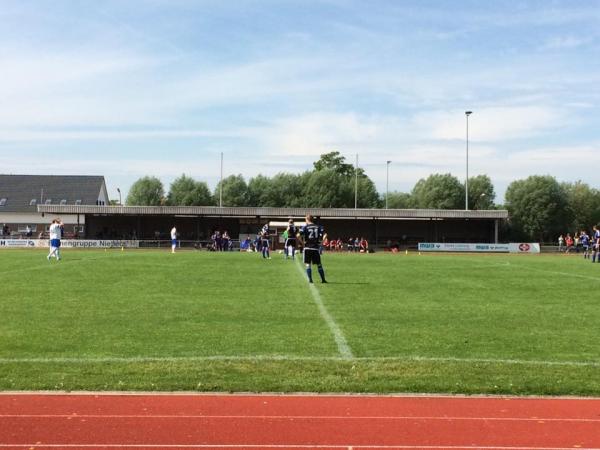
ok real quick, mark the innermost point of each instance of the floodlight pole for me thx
(387, 183)
(356, 183)
(221, 184)
(119, 191)
(467, 114)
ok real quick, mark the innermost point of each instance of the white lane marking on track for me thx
(275, 358)
(237, 446)
(340, 340)
(289, 417)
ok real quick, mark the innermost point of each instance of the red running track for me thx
(131, 421)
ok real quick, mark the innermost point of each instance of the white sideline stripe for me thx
(345, 447)
(554, 272)
(292, 418)
(340, 340)
(275, 358)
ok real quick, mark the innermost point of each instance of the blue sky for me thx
(161, 87)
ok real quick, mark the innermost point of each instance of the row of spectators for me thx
(353, 244)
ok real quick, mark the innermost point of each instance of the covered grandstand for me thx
(381, 227)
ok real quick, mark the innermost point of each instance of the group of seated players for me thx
(353, 244)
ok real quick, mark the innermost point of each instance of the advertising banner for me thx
(460, 247)
(479, 248)
(525, 247)
(17, 243)
(69, 243)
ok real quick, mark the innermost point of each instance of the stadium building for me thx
(196, 223)
(21, 195)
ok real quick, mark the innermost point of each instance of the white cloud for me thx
(491, 123)
(566, 42)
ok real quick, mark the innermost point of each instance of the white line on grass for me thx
(555, 272)
(340, 340)
(291, 358)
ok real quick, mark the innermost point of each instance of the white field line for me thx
(555, 272)
(276, 446)
(284, 358)
(291, 417)
(340, 340)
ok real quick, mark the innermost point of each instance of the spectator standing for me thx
(561, 243)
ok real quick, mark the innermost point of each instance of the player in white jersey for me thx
(55, 231)
(173, 239)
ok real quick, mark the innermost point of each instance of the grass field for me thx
(149, 320)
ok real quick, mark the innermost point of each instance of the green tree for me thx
(585, 204)
(439, 191)
(481, 193)
(336, 162)
(367, 193)
(326, 188)
(259, 191)
(147, 191)
(286, 190)
(332, 169)
(185, 191)
(538, 208)
(235, 191)
(399, 200)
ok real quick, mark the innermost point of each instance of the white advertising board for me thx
(524, 247)
(460, 247)
(479, 248)
(69, 243)
(17, 243)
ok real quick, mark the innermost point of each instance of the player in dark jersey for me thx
(596, 244)
(265, 244)
(311, 235)
(290, 242)
(584, 239)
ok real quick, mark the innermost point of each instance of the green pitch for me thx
(150, 320)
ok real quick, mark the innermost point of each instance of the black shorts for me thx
(312, 256)
(290, 241)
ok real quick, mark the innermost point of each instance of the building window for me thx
(63, 202)
(33, 202)
(48, 201)
(78, 202)
(2, 201)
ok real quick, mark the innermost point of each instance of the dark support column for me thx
(375, 228)
(496, 231)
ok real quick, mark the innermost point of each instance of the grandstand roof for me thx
(23, 193)
(216, 211)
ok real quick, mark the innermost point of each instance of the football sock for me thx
(309, 274)
(321, 272)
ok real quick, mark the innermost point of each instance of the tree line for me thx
(540, 208)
